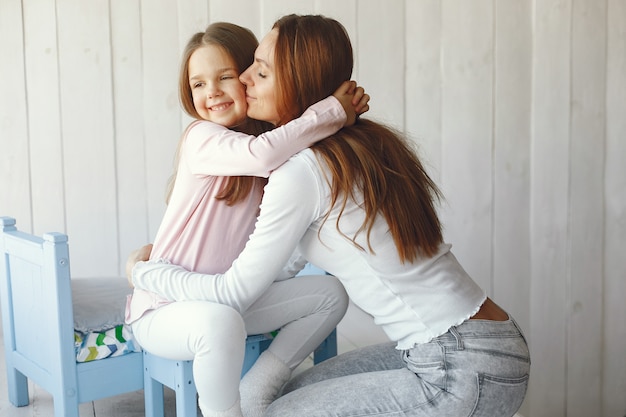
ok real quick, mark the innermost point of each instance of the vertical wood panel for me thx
(511, 176)
(422, 112)
(549, 207)
(231, 11)
(193, 16)
(272, 10)
(87, 130)
(467, 136)
(587, 208)
(44, 125)
(380, 57)
(129, 133)
(614, 346)
(15, 195)
(161, 109)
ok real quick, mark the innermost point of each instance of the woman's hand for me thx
(353, 99)
(141, 254)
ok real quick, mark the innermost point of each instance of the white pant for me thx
(306, 309)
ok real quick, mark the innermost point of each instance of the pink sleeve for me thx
(212, 149)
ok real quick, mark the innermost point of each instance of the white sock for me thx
(234, 411)
(261, 385)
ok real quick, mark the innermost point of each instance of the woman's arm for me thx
(291, 202)
(295, 265)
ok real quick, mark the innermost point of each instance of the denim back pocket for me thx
(498, 396)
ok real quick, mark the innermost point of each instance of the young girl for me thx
(211, 214)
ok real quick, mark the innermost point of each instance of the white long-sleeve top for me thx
(413, 302)
(203, 234)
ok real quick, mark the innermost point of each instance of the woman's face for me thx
(218, 96)
(260, 81)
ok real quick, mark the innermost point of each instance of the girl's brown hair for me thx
(240, 43)
(313, 56)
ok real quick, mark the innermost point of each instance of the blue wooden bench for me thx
(38, 327)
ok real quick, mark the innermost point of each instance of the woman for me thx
(360, 205)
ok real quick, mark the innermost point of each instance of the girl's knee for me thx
(219, 323)
(337, 297)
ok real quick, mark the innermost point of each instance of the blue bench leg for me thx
(18, 387)
(327, 349)
(186, 398)
(66, 406)
(153, 396)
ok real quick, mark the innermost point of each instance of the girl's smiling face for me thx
(218, 95)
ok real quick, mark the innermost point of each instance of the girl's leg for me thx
(211, 334)
(306, 309)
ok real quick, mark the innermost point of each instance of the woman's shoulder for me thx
(302, 168)
(304, 162)
(298, 183)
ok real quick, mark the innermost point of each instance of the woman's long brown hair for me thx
(240, 43)
(313, 56)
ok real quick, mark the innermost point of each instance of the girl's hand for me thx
(353, 99)
(141, 254)
(360, 101)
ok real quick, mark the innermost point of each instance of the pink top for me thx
(203, 234)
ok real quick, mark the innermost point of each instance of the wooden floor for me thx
(356, 329)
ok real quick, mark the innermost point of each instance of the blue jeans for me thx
(477, 369)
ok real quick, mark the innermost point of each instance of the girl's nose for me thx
(212, 92)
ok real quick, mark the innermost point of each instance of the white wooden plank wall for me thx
(517, 107)
(550, 129)
(613, 380)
